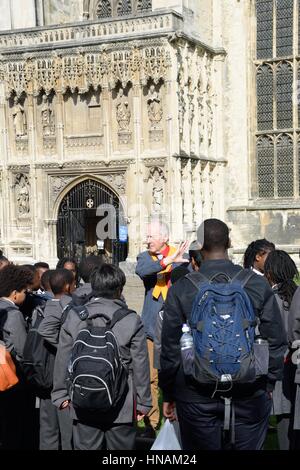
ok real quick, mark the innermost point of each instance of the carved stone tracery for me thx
(82, 70)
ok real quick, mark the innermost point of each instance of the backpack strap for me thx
(243, 276)
(196, 279)
(119, 315)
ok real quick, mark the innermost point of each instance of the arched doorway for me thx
(77, 223)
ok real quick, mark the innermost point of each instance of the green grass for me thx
(272, 441)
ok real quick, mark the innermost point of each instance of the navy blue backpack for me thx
(223, 327)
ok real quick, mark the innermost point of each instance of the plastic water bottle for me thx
(187, 350)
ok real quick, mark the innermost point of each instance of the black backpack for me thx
(98, 378)
(38, 359)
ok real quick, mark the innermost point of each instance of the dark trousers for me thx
(113, 437)
(55, 427)
(18, 419)
(201, 423)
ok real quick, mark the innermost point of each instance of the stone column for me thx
(31, 128)
(135, 203)
(186, 185)
(59, 126)
(197, 194)
(4, 204)
(175, 201)
(106, 123)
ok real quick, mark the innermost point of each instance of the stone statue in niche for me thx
(47, 117)
(22, 192)
(155, 111)
(157, 189)
(19, 118)
(123, 113)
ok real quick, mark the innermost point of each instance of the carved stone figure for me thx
(155, 111)
(123, 113)
(47, 117)
(22, 191)
(19, 118)
(157, 189)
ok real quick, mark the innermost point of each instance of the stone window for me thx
(103, 9)
(277, 68)
(124, 7)
(144, 5)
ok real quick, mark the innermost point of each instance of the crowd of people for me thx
(87, 329)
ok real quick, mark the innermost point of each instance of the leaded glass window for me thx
(284, 27)
(104, 9)
(264, 98)
(264, 14)
(277, 58)
(285, 166)
(265, 166)
(284, 95)
(124, 7)
(144, 5)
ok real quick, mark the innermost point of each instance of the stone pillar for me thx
(39, 13)
(4, 204)
(197, 194)
(31, 128)
(136, 212)
(186, 185)
(106, 123)
(175, 201)
(59, 126)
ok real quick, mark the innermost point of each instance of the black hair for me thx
(42, 265)
(107, 281)
(261, 247)
(59, 278)
(30, 267)
(281, 270)
(63, 261)
(178, 273)
(197, 256)
(45, 279)
(14, 278)
(213, 235)
(87, 266)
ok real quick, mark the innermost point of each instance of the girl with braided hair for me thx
(280, 271)
(256, 254)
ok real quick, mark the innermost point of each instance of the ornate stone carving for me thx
(19, 118)
(47, 115)
(155, 114)
(57, 184)
(123, 113)
(116, 180)
(22, 190)
(157, 177)
(81, 144)
(82, 70)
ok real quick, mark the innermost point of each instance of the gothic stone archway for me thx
(77, 222)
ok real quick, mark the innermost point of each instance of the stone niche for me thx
(46, 124)
(18, 125)
(122, 117)
(83, 119)
(154, 107)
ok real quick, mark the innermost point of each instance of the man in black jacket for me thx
(200, 411)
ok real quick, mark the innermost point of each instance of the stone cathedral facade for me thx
(185, 109)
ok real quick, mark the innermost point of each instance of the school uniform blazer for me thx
(131, 339)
